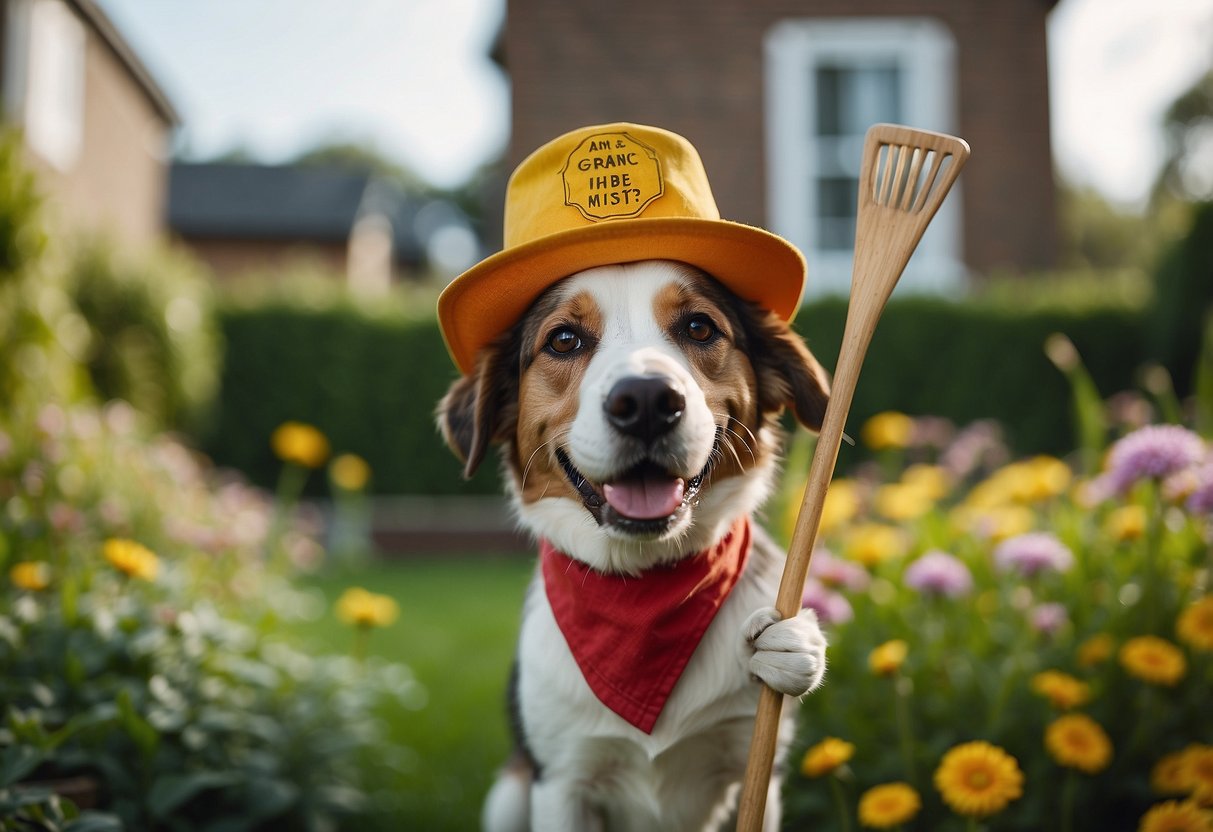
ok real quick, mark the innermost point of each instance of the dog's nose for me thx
(644, 406)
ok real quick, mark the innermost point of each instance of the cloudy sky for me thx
(412, 78)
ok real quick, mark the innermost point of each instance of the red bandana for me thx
(633, 636)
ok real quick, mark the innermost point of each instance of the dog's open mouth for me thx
(645, 499)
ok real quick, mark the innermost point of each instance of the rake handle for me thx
(894, 211)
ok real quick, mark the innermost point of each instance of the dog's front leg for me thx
(789, 655)
(556, 807)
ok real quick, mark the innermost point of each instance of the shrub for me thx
(1184, 297)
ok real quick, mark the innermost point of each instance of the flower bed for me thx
(1013, 645)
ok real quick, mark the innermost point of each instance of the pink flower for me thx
(1031, 553)
(1153, 452)
(831, 607)
(938, 573)
(833, 571)
(1049, 618)
(1200, 500)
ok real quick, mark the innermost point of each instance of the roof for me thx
(95, 17)
(284, 202)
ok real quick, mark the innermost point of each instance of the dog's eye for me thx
(700, 328)
(564, 341)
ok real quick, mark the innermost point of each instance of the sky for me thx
(412, 78)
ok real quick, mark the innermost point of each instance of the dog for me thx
(636, 406)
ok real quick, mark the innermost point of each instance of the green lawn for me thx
(457, 627)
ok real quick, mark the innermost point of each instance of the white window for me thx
(54, 94)
(827, 81)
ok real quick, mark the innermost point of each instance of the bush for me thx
(154, 338)
(1184, 297)
(1066, 623)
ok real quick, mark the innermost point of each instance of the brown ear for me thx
(482, 407)
(788, 374)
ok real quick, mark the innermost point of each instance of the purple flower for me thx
(1031, 553)
(833, 571)
(831, 607)
(938, 573)
(1200, 500)
(1049, 618)
(1153, 452)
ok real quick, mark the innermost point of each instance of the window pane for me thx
(836, 206)
(850, 99)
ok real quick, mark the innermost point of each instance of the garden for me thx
(195, 634)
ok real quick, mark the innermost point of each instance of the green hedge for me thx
(371, 380)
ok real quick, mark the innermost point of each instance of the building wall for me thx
(117, 183)
(701, 74)
(231, 258)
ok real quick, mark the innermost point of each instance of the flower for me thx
(1095, 650)
(31, 575)
(1077, 741)
(840, 506)
(994, 523)
(1153, 452)
(1126, 523)
(131, 559)
(977, 779)
(933, 480)
(1154, 660)
(834, 571)
(887, 659)
(831, 607)
(939, 573)
(350, 472)
(1196, 771)
(873, 543)
(1048, 618)
(1168, 776)
(1195, 624)
(1200, 495)
(901, 501)
(300, 444)
(1061, 689)
(826, 756)
(887, 430)
(1176, 816)
(888, 805)
(1032, 553)
(362, 608)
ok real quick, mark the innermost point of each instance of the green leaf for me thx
(169, 792)
(95, 822)
(18, 761)
(139, 729)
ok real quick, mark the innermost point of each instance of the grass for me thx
(457, 628)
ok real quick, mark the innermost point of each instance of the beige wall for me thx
(231, 258)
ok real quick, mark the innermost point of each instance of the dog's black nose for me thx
(644, 406)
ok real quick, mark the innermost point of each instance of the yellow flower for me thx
(1095, 650)
(887, 659)
(1077, 741)
(1047, 477)
(978, 779)
(888, 430)
(840, 507)
(1061, 689)
(350, 472)
(826, 756)
(1154, 660)
(1196, 771)
(131, 559)
(31, 575)
(1174, 816)
(994, 523)
(1167, 776)
(933, 480)
(874, 543)
(300, 444)
(362, 608)
(1195, 624)
(1126, 523)
(901, 501)
(888, 805)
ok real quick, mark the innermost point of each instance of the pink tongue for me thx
(646, 498)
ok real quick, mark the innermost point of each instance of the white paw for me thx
(789, 656)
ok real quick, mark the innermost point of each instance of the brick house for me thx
(95, 123)
(776, 96)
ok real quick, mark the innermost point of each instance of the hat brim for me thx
(491, 296)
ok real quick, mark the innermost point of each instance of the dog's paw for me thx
(789, 655)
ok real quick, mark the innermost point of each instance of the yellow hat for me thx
(612, 193)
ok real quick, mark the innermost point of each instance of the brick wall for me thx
(698, 70)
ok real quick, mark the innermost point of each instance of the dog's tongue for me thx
(645, 498)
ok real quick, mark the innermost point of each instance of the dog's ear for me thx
(482, 407)
(788, 374)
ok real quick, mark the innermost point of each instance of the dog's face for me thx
(636, 406)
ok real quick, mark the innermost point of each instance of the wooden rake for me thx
(904, 177)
